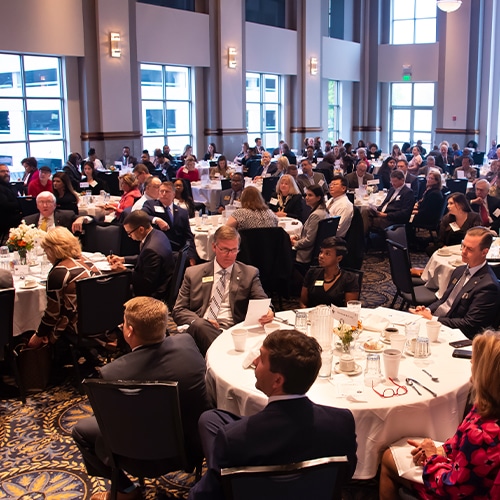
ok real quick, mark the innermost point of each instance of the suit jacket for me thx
(305, 245)
(304, 181)
(399, 210)
(225, 197)
(352, 180)
(283, 432)
(6, 280)
(153, 266)
(440, 162)
(476, 305)
(176, 359)
(10, 208)
(493, 205)
(74, 175)
(63, 218)
(270, 169)
(412, 180)
(429, 208)
(180, 231)
(195, 293)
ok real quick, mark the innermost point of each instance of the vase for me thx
(23, 256)
(346, 347)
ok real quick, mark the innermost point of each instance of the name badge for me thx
(318, 283)
(398, 197)
(273, 201)
(372, 182)
(237, 203)
(207, 279)
(321, 182)
(227, 198)
(454, 226)
(159, 210)
(84, 184)
(496, 213)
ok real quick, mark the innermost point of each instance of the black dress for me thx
(293, 205)
(67, 202)
(316, 293)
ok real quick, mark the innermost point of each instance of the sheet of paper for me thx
(256, 309)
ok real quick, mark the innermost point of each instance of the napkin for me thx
(375, 323)
(252, 354)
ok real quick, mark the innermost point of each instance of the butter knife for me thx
(423, 387)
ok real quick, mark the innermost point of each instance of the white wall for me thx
(341, 60)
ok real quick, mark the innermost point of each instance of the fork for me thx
(434, 379)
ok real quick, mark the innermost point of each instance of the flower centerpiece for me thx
(346, 334)
(22, 239)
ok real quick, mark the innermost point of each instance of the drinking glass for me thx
(301, 321)
(422, 349)
(372, 370)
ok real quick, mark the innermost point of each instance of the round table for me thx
(379, 421)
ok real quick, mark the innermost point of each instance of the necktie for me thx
(484, 215)
(169, 216)
(43, 225)
(445, 307)
(217, 297)
(385, 205)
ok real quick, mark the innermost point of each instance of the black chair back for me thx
(111, 180)
(252, 168)
(400, 267)
(225, 184)
(28, 205)
(397, 233)
(7, 297)
(269, 187)
(102, 238)
(327, 173)
(457, 185)
(177, 276)
(323, 476)
(18, 188)
(358, 273)
(355, 240)
(326, 229)
(422, 185)
(478, 158)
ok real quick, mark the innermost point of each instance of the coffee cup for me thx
(346, 363)
(392, 358)
(433, 328)
(239, 339)
(390, 330)
(398, 341)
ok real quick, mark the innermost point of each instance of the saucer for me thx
(356, 371)
(27, 287)
(379, 347)
(457, 263)
(444, 253)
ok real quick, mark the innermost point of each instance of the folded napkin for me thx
(252, 354)
(375, 323)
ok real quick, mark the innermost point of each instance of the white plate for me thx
(356, 371)
(202, 229)
(27, 287)
(444, 253)
(409, 353)
(380, 348)
(457, 263)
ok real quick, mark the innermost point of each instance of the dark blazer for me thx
(196, 292)
(303, 181)
(412, 180)
(352, 180)
(476, 305)
(63, 218)
(493, 205)
(283, 432)
(270, 170)
(153, 266)
(295, 206)
(10, 208)
(180, 231)
(74, 175)
(449, 237)
(399, 210)
(440, 162)
(225, 197)
(429, 208)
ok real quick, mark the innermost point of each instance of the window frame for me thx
(333, 133)
(415, 19)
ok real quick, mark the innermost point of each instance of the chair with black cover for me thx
(104, 238)
(355, 241)
(28, 205)
(422, 186)
(225, 184)
(111, 180)
(432, 225)
(177, 276)
(189, 191)
(320, 478)
(402, 279)
(358, 273)
(269, 187)
(327, 173)
(269, 249)
(252, 167)
(18, 188)
(478, 157)
(457, 185)
(326, 229)
(141, 427)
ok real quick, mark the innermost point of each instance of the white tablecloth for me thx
(379, 421)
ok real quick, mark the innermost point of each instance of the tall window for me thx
(413, 21)
(264, 108)
(333, 110)
(174, 4)
(31, 111)
(412, 106)
(166, 107)
(270, 12)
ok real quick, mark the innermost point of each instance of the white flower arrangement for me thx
(24, 237)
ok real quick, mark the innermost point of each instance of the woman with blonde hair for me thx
(287, 201)
(468, 464)
(130, 187)
(253, 213)
(64, 252)
(282, 165)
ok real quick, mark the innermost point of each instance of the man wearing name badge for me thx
(471, 300)
(309, 178)
(359, 177)
(151, 192)
(215, 295)
(339, 204)
(290, 429)
(266, 168)
(229, 196)
(487, 206)
(411, 180)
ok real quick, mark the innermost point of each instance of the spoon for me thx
(409, 381)
(434, 379)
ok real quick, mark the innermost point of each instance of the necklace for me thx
(335, 278)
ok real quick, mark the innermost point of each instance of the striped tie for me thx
(217, 297)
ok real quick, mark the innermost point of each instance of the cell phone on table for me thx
(461, 343)
(462, 353)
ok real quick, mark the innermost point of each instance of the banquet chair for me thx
(401, 277)
(358, 273)
(177, 276)
(252, 168)
(327, 173)
(225, 184)
(269, 187)
(102, 238)
(141, 427)
(478, 158)
(326, 229)
(189, 190)
(321, 478)
(457, 185)
(28, 205)
(432, 225)
(355, 242)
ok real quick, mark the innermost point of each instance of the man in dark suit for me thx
(396, 207)
(215, 295)
(444, 160)
(266, 168)
(359, 177)
(126, 159)
(229, 196)
(411, 180)
(153, 357)
(471, 300)
(289, 429)
(154, 265)
(72, 170)
(487, 206)
(172, 220)
(9, 204)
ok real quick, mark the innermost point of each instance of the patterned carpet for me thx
(38, 459)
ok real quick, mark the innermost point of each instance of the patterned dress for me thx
(251, 219)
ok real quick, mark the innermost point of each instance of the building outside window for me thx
(412, 106)
(413, 21)
(263, 108)
(166, 104)
(333, 110)
(32, 110)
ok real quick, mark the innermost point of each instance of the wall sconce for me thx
(114, 42)
(231, 57)
(313, 65)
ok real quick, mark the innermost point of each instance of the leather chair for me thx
(326, 229)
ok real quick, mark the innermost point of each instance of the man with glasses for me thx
(10, 208)
(154, 265)
(215, 295)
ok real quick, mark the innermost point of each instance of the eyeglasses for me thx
(228, 251)
(389, 392)
(132, 231)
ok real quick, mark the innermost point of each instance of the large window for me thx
(263, 108)
(166, 107)
(412, 107)
(31, 111)
(270, 12)
(333, 110)
(174, 4)
(413, 21)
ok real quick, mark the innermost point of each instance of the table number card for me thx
(348, 317)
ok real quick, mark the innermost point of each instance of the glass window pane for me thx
(425, 30)
(12, 120)
(151, 82)
(422, 119)
(271, 90)
(403, 9)
(270, 140)
(424, 8)
(426, 139)
(153, 142)
(42, 76)
(48, 153)
(401, 94)
(177, 118)
(400, 138)
(253, 118)
(423, 94)
(402, 32)
(401, 119)
(253, 87)
(177, 83)
(11, 155)
(177, 144)
(10, 76)
(271, 117)
(44, 118)
(152, 118)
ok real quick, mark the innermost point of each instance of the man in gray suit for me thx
(215, 295)
(309, 178)
(359, 177)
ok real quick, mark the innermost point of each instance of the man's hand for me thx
(423, 311)
(36, 341)
(116, 263)
(380, 214)
(267, 318)
(476, 201)
(77, 226)
(162, 224)
(214, 323)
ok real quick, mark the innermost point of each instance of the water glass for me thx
(422, 349)
(326, 364)
(204, 220)
(301, 321)
(4, 258)
(372, 370)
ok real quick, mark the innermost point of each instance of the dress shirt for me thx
(383, 208)
(341, 205)
(224, 317)
(140, 202)
(361, 180)
(50, 222)
(284, 397)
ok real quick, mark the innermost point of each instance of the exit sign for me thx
(406, 78)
